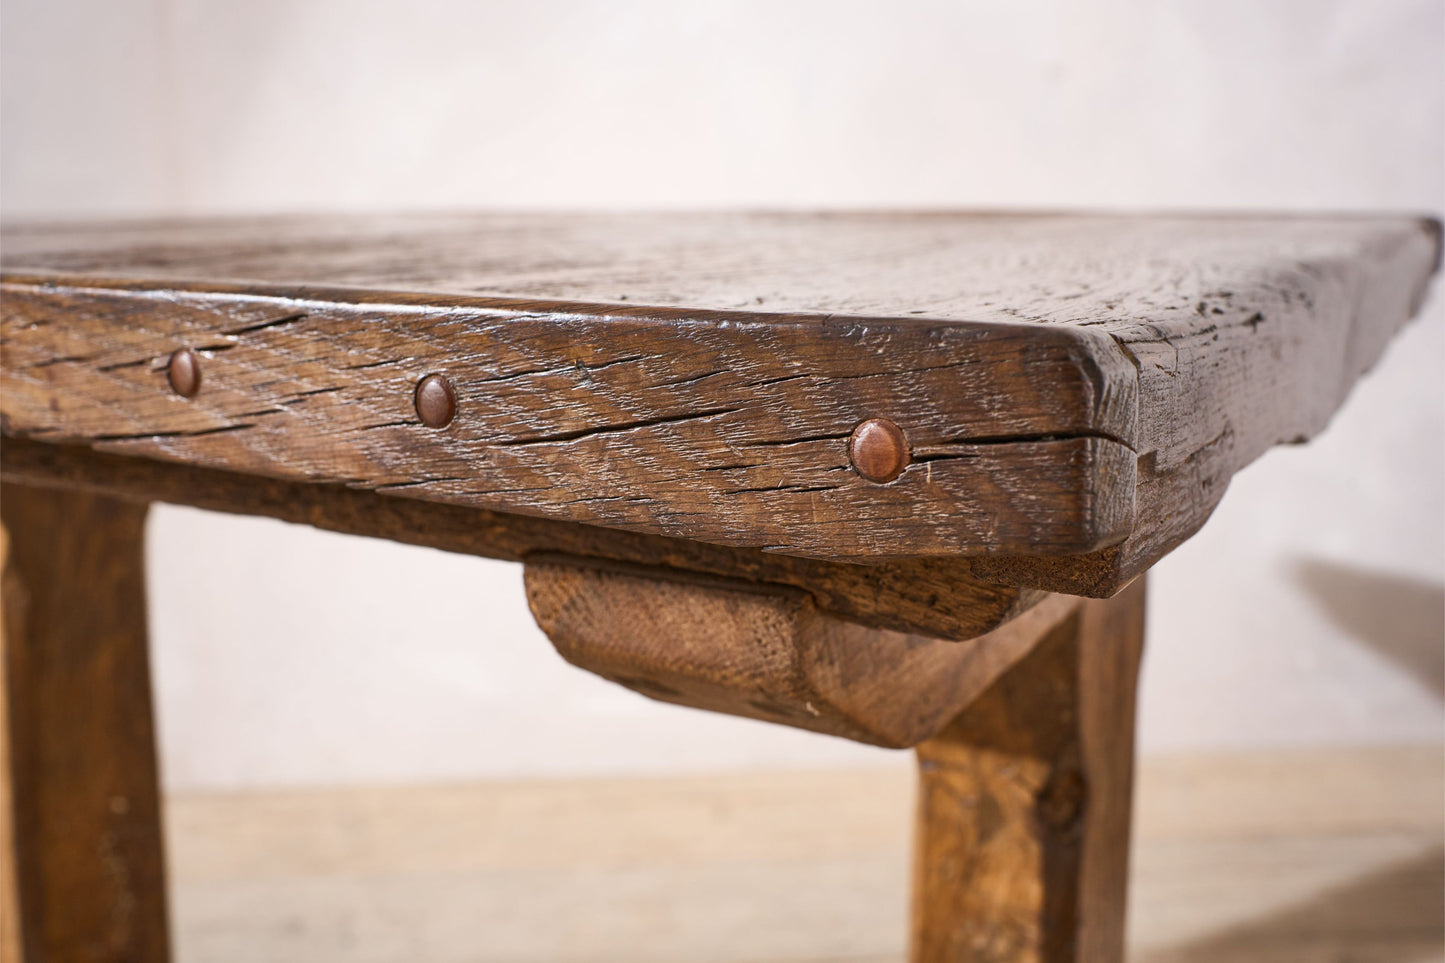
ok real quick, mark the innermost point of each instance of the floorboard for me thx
(1300, 856)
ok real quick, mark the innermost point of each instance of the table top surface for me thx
(1071, 393)
(1113, 271)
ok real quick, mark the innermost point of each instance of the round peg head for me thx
(878, 450)
(436, 401)
(183, 371)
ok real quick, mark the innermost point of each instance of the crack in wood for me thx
(582, 433)
(147, 435)
(280, 322)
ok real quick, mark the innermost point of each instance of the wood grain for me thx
(84, 810)
(1025, 735)
(767, 653)
(726, 429)
(1024, 802)
(937, 597)
(1076, 390)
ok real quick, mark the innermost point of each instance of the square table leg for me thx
(1022, 845)
(82, 874)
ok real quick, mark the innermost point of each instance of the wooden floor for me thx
(1299, 857)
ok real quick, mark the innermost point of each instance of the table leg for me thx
(81, 862)
(1024, 800)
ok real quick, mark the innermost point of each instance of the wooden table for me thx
(894, 477)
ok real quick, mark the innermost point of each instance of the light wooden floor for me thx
(1300, 857)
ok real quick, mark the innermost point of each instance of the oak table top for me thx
(837, 471)
(1003, 403)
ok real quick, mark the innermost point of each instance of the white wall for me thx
(1308, 611)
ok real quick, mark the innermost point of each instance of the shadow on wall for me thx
(1399, 617)
(1394, 915)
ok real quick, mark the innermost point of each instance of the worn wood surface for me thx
(1076, 391)
(937, 597)
(724, 429)
(1024, 800)
(766, 652)
(85, 864)
(1025, 735)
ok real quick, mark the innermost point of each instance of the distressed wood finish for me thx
(1022, 850)
(1025, 736)
(84, 869)
(698, 376)
(724, 429)
(767, 653)
(937, 597)
(761, 464)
